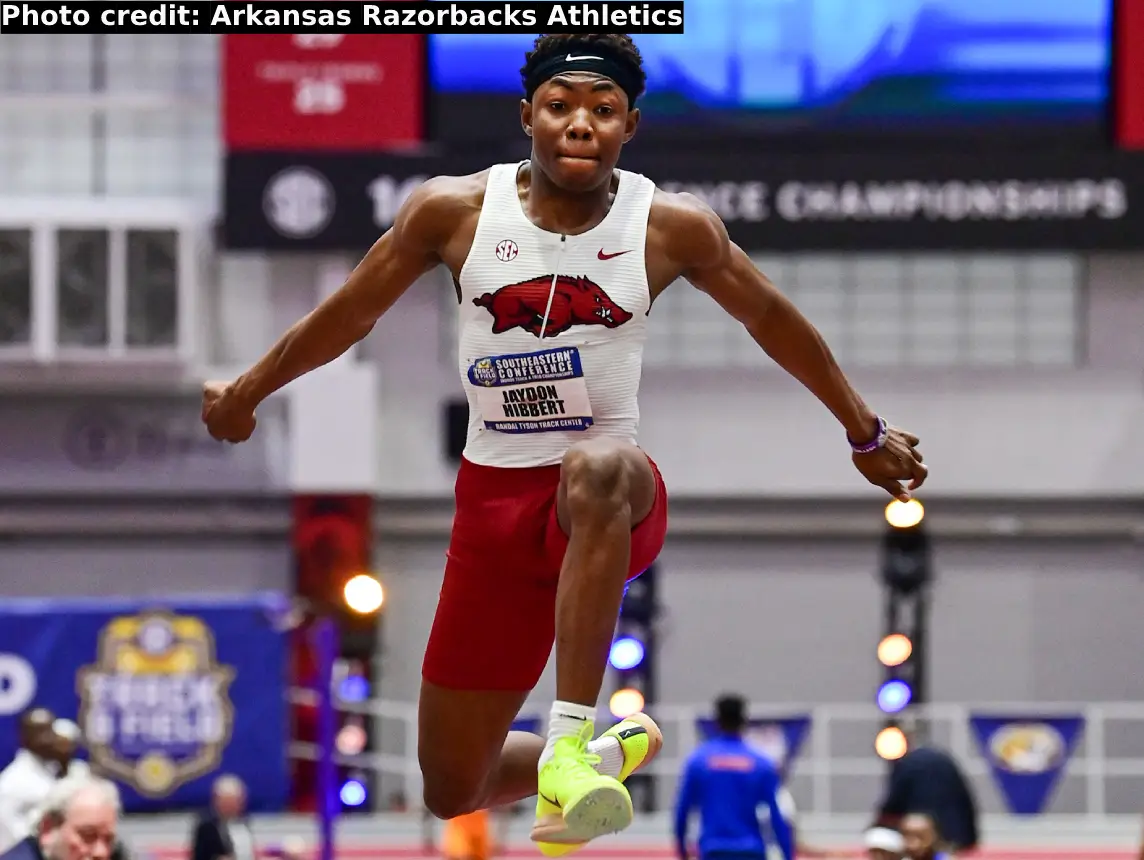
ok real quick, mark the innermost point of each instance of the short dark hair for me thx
(617, 46)
(731, 712)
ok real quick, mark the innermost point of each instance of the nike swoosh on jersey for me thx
(602, 256)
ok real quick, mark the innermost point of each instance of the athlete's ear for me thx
(526, 116)
(632, 124)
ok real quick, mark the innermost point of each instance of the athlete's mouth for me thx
(567, 157)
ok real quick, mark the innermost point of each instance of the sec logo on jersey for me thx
(507, 251)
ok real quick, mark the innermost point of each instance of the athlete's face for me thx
(578, 123)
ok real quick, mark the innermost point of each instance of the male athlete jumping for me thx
(556, 261)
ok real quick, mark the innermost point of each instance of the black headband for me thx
(584, 60)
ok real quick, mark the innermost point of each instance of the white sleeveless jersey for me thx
(552, 327)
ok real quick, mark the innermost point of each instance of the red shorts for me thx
(496, 617)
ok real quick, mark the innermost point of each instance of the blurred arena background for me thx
(951, 190)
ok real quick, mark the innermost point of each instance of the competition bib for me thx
(532, 392)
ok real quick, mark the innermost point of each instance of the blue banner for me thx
(1027, 755)
(168, 693)
(777, 739)
(526, 724)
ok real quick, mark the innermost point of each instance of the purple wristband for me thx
(879, 440)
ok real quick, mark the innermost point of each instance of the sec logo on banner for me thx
(17, 684)
(299, 202)
(322, 92)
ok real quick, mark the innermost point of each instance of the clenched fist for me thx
(229, 418)
(896, 461)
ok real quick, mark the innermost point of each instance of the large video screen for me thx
(799, 67)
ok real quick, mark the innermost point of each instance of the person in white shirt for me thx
(69, 739)
(26, 782)
(884, 843)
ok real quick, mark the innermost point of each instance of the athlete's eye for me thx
(557, 105)
(604, 109)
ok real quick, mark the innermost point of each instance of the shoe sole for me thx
(600, 812)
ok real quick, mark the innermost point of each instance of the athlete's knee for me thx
(597, 481)
(447, 796)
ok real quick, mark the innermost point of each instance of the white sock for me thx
(566, 720)
(611, 753)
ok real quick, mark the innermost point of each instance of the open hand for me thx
(897, 461)
(229, 418)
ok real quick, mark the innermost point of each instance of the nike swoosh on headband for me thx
(572, 58)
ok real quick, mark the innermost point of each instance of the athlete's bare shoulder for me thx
(683, 234)
(439, 208)
(440, 217)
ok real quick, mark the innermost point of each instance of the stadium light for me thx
(626, 702)
(895, 649)
(627, 653)
(364, 594)
(351, 740)
(905, 515)
(353, 688)
(353, 792)
(894, 695)
(891, 744)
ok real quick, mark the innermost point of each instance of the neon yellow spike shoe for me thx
(575, 803)
(640, 740)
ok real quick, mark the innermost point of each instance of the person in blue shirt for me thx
(727, 780)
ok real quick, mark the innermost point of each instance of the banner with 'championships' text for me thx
(1034, 201)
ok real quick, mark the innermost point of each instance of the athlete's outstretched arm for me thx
(407, 251)
(404, 253)
(714, 264)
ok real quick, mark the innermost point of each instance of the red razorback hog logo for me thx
(575, 301)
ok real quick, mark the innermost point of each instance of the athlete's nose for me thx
(580, 126)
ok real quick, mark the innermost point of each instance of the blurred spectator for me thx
(922, 838)
(882, 843)
(25, 783)
(728, 780)
(928, 780)
(222, 831)
(78, 820)
(68, 741)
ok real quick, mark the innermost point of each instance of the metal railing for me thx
(836, 770)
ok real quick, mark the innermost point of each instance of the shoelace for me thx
(573, 761)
